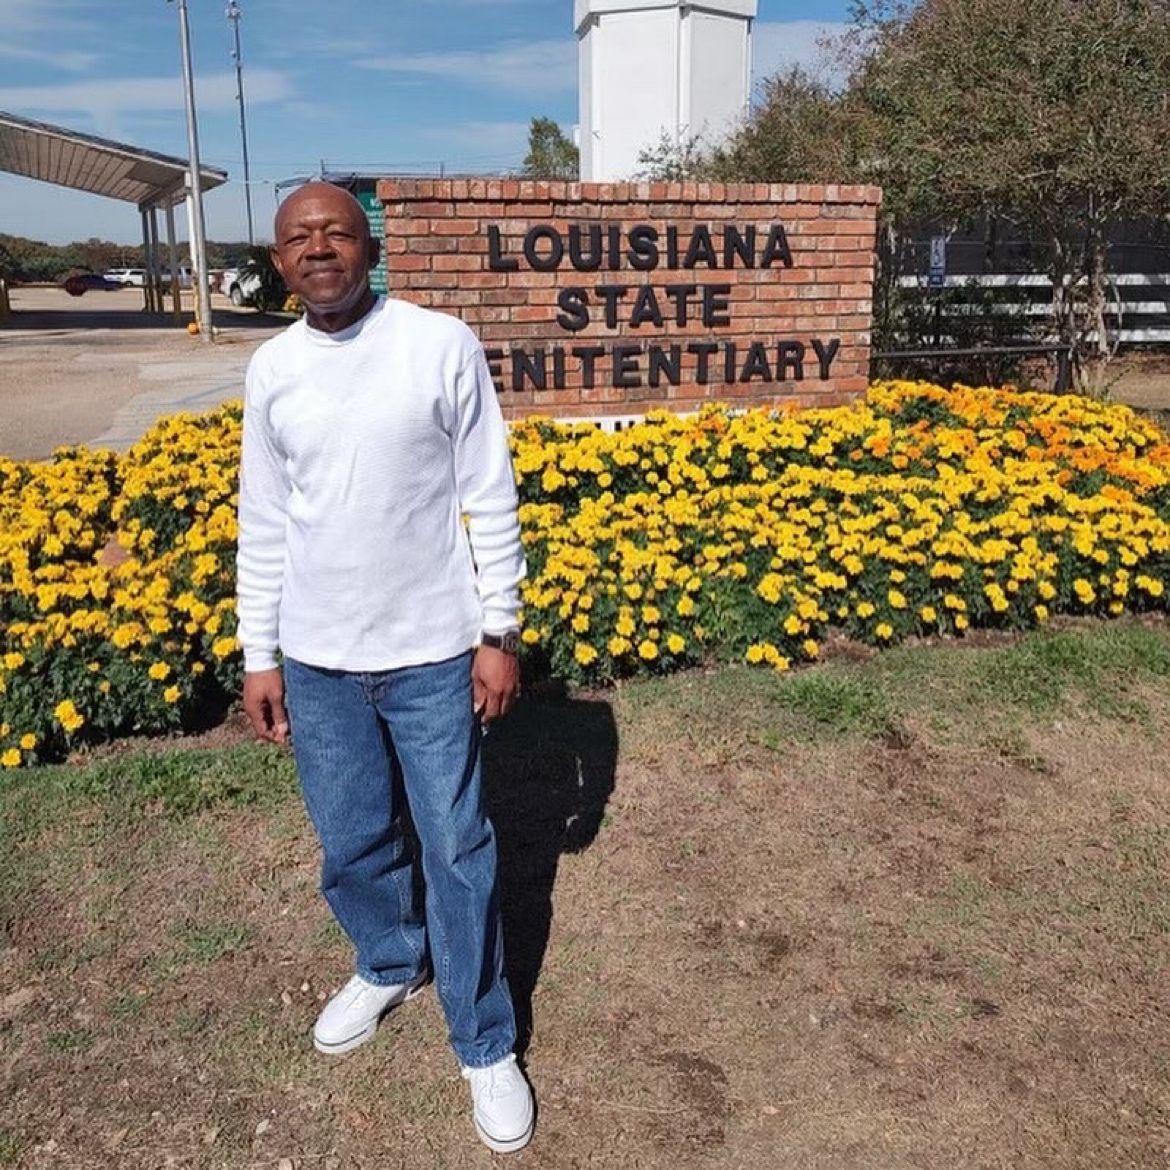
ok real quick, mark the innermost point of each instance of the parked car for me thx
(132, 277)
(239, 286)
(80, 283)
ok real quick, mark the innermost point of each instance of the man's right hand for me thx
(264, 705)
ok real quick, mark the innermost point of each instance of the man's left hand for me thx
(495, 678)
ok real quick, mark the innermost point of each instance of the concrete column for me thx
(173, 253)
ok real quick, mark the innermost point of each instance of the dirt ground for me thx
(913, 912)
(97, 370)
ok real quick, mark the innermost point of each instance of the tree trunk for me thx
(1100, 351)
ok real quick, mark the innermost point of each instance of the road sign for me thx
(938, 262)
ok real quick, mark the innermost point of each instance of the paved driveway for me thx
(96, 370)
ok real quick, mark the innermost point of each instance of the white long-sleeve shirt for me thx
(362, 450)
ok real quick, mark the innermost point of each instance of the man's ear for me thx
(274, 256)
(375, 252)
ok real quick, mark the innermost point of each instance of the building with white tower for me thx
(654, 66)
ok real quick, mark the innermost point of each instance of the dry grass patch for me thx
(911, 911)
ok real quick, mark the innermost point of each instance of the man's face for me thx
(323, 247)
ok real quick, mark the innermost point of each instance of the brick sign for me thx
(612, 298)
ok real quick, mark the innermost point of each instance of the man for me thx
(371, 428)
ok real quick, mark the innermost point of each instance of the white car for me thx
(131, 277)
(238, 286)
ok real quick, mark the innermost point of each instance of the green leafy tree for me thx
(1051, 114)
(551, 155)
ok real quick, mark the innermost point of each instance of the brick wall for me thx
(758, 293)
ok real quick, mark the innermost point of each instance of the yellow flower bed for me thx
(723, 535)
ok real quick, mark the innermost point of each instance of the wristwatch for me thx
(509, 641)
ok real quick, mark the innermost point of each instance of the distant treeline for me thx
(33, 260)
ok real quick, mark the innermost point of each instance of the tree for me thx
(801, 130)
(1052, 114)
(550, 154)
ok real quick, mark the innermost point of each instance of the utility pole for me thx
(234, 14)
(199, 242)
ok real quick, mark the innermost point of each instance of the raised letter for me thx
(756, 365)
(646, 308)
(558, 367)
(612, 294)
(681, 295)
(661, 364)
(588, 355)
(626, 372)
(715, 302)
(577, 258)
(777, 248)
(531, 367)
(497, 261)
(826, 354)
(536, 261)
(741, 245)
(729, 363)
(703, 350)
(574, 314)
(495, 358)
(701, 249)
(790, 355)
(643, 253)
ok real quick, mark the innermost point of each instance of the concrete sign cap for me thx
(584, 9)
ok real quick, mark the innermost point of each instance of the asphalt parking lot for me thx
(97, 370)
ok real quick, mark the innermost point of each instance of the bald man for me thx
(380, 633)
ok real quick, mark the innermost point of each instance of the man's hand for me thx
(264, 705)
(495, 678)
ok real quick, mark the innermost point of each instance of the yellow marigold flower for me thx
(884, 630)
(928, 614)
(676, 643)
(1041, 612)
(159, 671)
(755, 653)
(530, 637)
(584, 653)
(68, 715)
(648, 650)
(1085, 592)
(580, 623)
(222, 647)
(633, 590)
(1046, 590)
(650, 615)
(13, 660)
(618, 646)
(866, 609)
(28, 741)
(11, 758)
(896, 599)
(811, 647)
(780, 664)
(962, 622)
(685, 606)
(172, 694)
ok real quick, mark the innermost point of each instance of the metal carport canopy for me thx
(69, 158)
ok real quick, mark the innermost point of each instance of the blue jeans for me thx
(351, 733)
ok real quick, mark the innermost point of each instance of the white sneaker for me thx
(351, 1017)
(503, 1109)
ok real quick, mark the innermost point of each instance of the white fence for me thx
(1137, 312)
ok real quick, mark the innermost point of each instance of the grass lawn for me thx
(903, 911)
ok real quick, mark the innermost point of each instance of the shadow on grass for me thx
(548, 774)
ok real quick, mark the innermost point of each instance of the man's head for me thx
(323, 248)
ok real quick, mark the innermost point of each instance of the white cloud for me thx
(105, 97)
(523, 67)
(480, 143)
(778, 45)
(28, 26)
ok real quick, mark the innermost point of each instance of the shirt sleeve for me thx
(264, 491)
(487, 494)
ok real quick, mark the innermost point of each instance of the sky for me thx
(355, 85)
